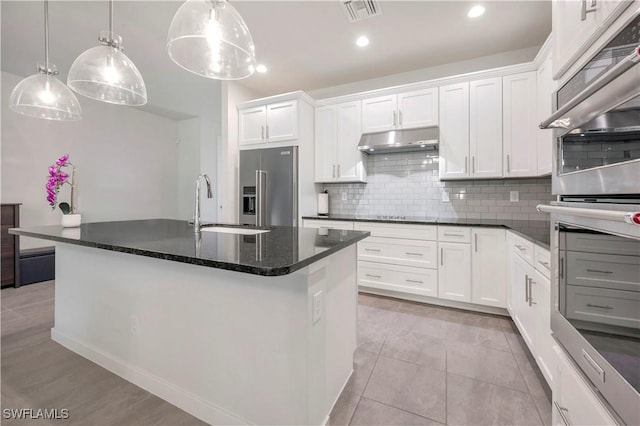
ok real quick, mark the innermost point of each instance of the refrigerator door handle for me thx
(261, 198)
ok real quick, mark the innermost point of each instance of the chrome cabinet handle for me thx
(267, 131)
(338, 170)
(473, 164)
(447, 234)
(531, 302)
(394, 118)
(400, 117)
(561, 269)
(508, 164)
(599, 306)
(262, 132)
(599, 271)
(546, 264)
(519, 247)
(584, 10)
(413, 254)
(475, 237)
(334, 170)
(373, 276)
(441, 256)
(414, 281)
(562, 411)
(370, 249)
(465, 165)
(526, 288)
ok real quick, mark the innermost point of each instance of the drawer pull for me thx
(526, 288)
(599, 271)
(545, 264)
(562, 411)
(414, 281)
(370, 249)
(519, 247)
(596, 368)
(373, 276)
(408, 253)
(447, 234)
(591, 305)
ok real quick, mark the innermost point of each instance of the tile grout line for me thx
(529, 389)
(492, 384)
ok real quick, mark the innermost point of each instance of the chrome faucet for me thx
(196, 216)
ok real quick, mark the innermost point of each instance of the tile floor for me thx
(415, 365)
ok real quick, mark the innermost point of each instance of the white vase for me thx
(71, 220)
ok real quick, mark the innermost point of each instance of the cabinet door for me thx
(454, 131)
(545, 141)
(485, 127)
(379, 114)
(252, 125)
(569, 31)
(488, 269)
(544, 341)
(325, 143)
(519, 124)
(454, 271)
(524, 315)
(282, 121)
(349, 160)
(418, 109)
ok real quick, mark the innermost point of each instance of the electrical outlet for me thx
(514, 196)
(445, 197)
(344, 196)
(317, 307)
(135, 325)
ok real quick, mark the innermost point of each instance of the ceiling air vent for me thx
(357, 10)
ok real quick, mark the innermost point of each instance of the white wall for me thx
(189, 138)
(232, 94)
(126, 162)
(446, 70)
(210, 131)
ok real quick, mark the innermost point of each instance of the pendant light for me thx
(42, 95)
(210, 38)
(106, 74)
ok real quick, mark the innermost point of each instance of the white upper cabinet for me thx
(402, 111)
(485, 128)
(519, 125)
(454, 131)
(545, 87)
(337, 133)
(576, 23)
(488, 267)
(276, 122)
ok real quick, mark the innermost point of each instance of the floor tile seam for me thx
(412, 362)
(529, 389)
(12, 311)
(404, 410)
(39, 302)
(490, 383)
(482, 346)
(354, 410)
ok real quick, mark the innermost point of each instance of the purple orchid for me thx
(63, 161)
(55, 180)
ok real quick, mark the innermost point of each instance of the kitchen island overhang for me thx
(227, 346)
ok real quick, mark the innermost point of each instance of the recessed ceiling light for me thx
(476, 11)
(261, 68)
(362, 41)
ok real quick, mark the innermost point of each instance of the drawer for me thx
(422, 254)
(392, 230)
(521, 246)
(603, 270)
(404, 279)
(598, 243)
(542, 260)
(604, 306)
(328, 224)
(454, 234)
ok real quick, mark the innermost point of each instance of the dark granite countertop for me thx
(536, 231)
(280, 251)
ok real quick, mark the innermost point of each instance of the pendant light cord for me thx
(46, 35)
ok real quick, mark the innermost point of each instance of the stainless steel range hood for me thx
(403, 140)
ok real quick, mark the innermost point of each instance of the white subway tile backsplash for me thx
(408, 184)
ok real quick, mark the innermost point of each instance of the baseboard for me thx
(326, 419)
(181, 398)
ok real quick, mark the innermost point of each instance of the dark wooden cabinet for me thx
(9, 264)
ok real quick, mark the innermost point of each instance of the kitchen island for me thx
(235, 325)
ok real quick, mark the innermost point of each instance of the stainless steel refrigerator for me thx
(269, 186)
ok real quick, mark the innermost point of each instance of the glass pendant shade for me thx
(44, 96)
(106, 74)
(210, 38)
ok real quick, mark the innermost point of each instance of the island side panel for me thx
(225, 346)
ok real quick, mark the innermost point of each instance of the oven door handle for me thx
(616, 216)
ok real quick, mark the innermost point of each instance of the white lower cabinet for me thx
(454, 270)
(488, 268)
(544, 351)
(523, 307)
(574, 403)
(405, 279)
(328, 224)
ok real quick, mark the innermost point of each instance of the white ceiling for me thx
(305, 44)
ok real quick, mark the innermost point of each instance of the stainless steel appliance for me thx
(595, 224)
(269, 186)
(598, 121)
(401, 140)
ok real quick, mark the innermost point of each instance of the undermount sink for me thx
(231, 230)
